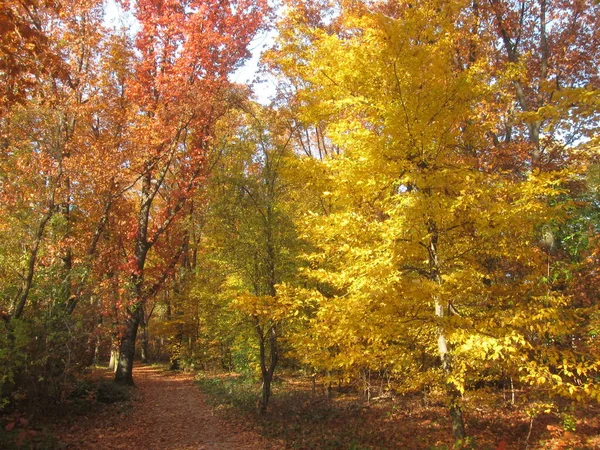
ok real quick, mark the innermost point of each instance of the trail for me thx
(168, 413)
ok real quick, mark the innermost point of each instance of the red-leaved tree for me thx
(185, 51)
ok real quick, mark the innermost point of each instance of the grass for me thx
(234, 391)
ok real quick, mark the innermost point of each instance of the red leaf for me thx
(21, 437)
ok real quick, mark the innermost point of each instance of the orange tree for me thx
(180, 88)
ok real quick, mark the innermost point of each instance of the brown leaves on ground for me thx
(419, 421)
(167, 413)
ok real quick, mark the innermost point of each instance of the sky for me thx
(265, 87)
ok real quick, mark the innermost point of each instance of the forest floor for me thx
(179, 411)
(166, 412)
(307, 418)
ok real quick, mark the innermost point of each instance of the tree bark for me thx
(28, 281)
(124, 372)
(144, 342)
(97, 343)
(114, 357)
(267, 369)
(144, 345)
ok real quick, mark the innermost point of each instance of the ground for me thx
(179, 411)
(168, 413)
(310, 419)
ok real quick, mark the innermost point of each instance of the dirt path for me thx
(168, 413)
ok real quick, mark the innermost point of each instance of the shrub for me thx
(110, 392)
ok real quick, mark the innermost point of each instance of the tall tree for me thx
(251, 219)
(423, 225)
(186, 50)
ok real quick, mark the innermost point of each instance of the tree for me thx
(543, 55)
(59, 179)
(26, 50)
(424, 227)
(181, 88)
(252, 223)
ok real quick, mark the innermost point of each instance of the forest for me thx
(412, 218)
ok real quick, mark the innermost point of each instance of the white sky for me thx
(263, 86)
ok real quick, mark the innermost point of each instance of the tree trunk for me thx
(176, 353)
(144, 345)
(267, 371)
(66, 251)
(458, 424)
(124, 372)
(114, 356)
(266, 392)
(458, 427)
(97, 342)
(23, 295)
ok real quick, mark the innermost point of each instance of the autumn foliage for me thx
(418, 204)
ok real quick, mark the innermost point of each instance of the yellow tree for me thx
(427, 248)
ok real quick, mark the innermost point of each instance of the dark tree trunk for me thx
(174, 359)
(267, 368)
(266, 392)
(124, 372)
(458, 425)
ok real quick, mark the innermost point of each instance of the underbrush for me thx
(301, 418)
(236, 391)
(86, 396)
(307, 419)
(87, 392)
(17, 433)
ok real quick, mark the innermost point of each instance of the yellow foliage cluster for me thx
(418, 233)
